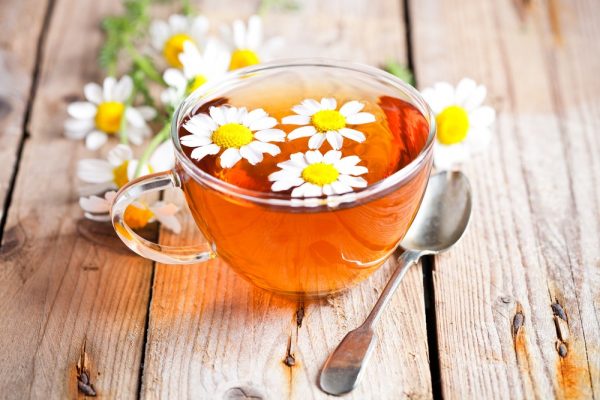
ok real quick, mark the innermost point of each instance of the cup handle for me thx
(145, 248)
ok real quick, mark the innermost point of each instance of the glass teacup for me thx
(306, 247)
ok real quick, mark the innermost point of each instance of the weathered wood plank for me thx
(18, 53)
(212, 335)
(535, 236)
(63, 280)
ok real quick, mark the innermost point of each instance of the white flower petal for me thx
(175, 78)
(163, 158)
(82, 110)
(296, 120)
(254, 32)
(94, 204)
(263, 123)
(79, 125)
(313, 156)
(159, 31)
(147, 112)
(340, 188)
(328, 103)
(239, 34)
(94, 171)
(464, 90)
(262, 147)
(217, 115)
(95, 139)
(285, 174)
(447, 157)
(335, 139)
(332, 157)
(475, 99)
(123, 89)
(93, 93)
(270, 135)
(134, 117)
(436, 103)
(345, 163)
(303, 110)
(253, 156)
(165, 215)
(231, 115)
(312, 105)
(200, 152)
(178, 23)
(353, 134)
(119, 154)
(302, 132)
(478, 139)
(445, 91)
(201, 124)
(286, 184)
(311, 190)
(360, 118)
(253, 116)
(230, 157)
(351, 108)
(316, 141)
(108, 88)
(195, 140)
(482, 117)
(354, 181)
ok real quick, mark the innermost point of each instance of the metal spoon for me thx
(439, 224)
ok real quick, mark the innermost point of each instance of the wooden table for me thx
(513, 312)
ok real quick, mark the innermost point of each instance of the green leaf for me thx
(399, 70)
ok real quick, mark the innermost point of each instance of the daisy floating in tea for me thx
(238, 132)
(322, 121)
(313, 174)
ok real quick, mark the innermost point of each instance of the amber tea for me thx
(302, 135)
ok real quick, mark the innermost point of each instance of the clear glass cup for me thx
(301, 248)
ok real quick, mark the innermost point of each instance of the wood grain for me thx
(534, 241)
(18, 45)
(64, 280)
(212, 335)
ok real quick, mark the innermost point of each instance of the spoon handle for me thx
(406, 260)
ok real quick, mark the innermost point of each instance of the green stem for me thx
(160, 137)
(186, 7)
(145, 65)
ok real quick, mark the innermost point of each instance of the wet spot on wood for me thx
(5, 107)
(243, 393)
(573, 376)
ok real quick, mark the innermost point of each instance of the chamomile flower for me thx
(137, 215)
(322, 121)
(198, 68)
(463, 123)
(241, 133)
(101, 115)
(313, 174)
(247, 43)
(115, 171)
(169, 37)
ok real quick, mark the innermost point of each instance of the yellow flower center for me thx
(108, 116)
(120, 174)
(320, 174)
(243, 58)
(452, 125)
(328, 120)
(173, 47)
(137, 217)
(232, 135)
(195, 83)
